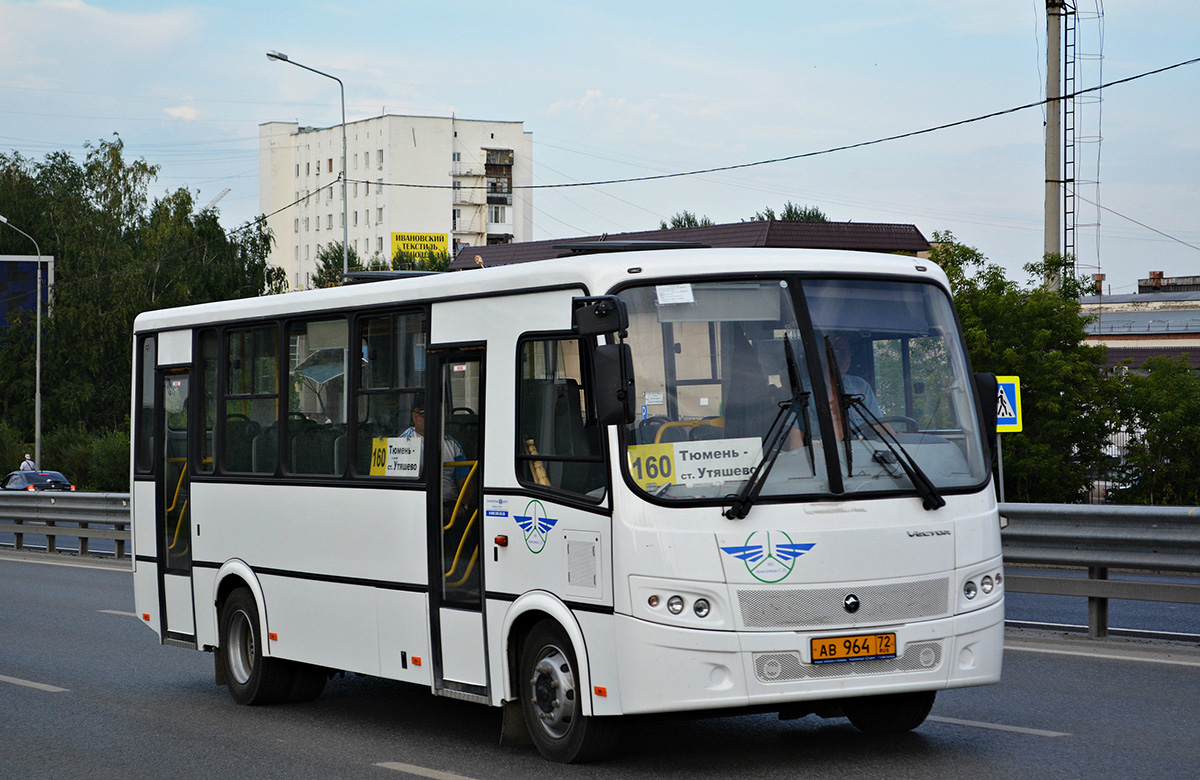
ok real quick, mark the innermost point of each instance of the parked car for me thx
(36, 480)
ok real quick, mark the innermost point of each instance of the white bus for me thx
(667, 480)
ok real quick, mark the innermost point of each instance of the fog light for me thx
(999, 579)
(675, 604)
(701, 608)
(969, 590)
(653, 601)
(986, 585)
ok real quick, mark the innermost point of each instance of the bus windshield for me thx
(718, 365)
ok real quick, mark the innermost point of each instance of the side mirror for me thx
(986, 390)
(613, 387)
(599, 315)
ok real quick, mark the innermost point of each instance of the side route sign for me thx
(1008, 404)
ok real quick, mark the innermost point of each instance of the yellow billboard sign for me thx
(420, 243)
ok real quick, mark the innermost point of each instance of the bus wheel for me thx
(889, 714)
(252, 678)
(551, 700)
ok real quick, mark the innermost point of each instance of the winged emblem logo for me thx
(770, 556)
(535, 526)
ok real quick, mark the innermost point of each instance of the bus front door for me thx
(455, 520)
(174, 516)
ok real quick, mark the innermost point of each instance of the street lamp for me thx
(281, 57)
(37, 382)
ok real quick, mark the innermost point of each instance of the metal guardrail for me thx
(1140, 539)
(82, 516)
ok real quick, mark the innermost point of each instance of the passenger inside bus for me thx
(453, 477)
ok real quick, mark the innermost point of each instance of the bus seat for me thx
(239, 439)
(264, 455)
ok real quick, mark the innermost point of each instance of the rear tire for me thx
(252, 677)
(553, 703)
(889, 714)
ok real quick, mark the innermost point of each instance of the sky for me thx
(618, 89)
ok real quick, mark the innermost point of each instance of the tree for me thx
(1161, 405)
(791, 213)
(117, 254)
(329, 264)
(1068, 398)
(685, 219)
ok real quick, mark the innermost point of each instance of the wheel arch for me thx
(528, 610)
(235, 574)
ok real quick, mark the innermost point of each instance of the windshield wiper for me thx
(776, 435)
(930, 497)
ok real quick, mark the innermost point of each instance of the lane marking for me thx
(1106, 656)
(31, 684)
(117, 612)
(998, 727)
(421, 771)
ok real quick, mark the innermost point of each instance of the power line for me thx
(1134, 221)
(818, 153)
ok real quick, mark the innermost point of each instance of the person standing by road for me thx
(28, 464)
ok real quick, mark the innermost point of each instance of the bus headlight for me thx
(701, 608)
(986, 585)
(675, 605)
(969, 590)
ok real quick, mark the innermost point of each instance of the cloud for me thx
(186, 113)
(61, 36)
(615, 110)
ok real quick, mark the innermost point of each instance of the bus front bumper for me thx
(665, 669)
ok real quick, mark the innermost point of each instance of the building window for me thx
(331, 165)
(496, 215)
(329, 222)
(379, 157)
(355, 219)
(307, 168)
(379, 186)
(379, 243)
(318, 219)
(379, 215)
(454, 217)
(297, 170)
(306, 224)
(297, 227)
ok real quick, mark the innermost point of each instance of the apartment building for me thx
(412, 182)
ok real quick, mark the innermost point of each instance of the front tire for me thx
(889, 714)
(553, 703)
(252, 677)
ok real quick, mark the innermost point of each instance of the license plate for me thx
(864, 647)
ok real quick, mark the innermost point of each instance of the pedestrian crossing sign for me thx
(1008, 404)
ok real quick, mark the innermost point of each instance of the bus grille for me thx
(787, 667)
(825, 607)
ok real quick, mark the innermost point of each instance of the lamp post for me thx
(37, 371)
(281, 57)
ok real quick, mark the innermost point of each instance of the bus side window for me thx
(559, 438)
(251, 417)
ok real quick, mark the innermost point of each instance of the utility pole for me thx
(1053, 227)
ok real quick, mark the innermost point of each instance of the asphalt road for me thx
(87, 692)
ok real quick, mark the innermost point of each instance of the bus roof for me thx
(597, 274)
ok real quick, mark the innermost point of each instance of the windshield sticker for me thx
(669, 294)
(769, 556)
(694, 462)
(536, 526)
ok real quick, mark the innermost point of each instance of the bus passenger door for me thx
(454, 484)
(174, 527)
